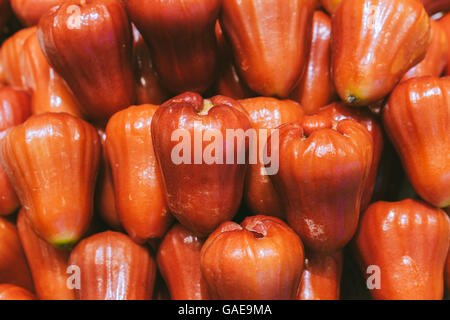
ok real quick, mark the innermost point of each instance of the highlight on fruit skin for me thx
(52, 161)
(113, 267)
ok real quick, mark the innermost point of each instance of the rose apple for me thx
(417, 120)
(260, 259)
(374, 43)
(12, 292)
(321, 180)
(89, 43)
(202, 158)
(52, 160)
(408, 242)
(30, 11)
(270, 41)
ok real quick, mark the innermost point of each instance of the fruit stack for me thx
(224, 149)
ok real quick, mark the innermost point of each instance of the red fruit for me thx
(316, 88)
(113, 267)
(11, 292)
(179, 264)
(331, 115)
(202, 190)
(270, 41)
(89, 43)
(52, 160)
(48, 265)
(182, 40)
(321, 181)
(321, 278)
(374, 43)
(408, 241)
(260, 259)
(417, 120)
(13, 265)
(138, 187)
(266, 114)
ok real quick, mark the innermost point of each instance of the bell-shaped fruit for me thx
(10, 66)
(182, 40)
(316, 88)
(148, 86)
(105, 200)
(260, 259)
(113, 267)
(52, 160)
(321, 180)
(444, 22)
(12, 292)
(270, 41)
(138, 187)
(49, 92)
(338, 111)
(30, 11)
(13, 264)
(14, 109)
(202, 152)
(374, 43)
(437, 55)
(48, 265)
(405, 243)
(266, 114)
(417, 120)
(321, 278)
(179, 263)
(89, 43)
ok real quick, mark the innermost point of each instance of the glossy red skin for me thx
(321, 277)
(200, 196)
(5, 12)
(60, 152)
(48, 265)
(13, 264)
(49, 92)
(30, 11)
(182, 42)
(266, 113)
(331, 115)
(408, 241)
(10, 67)
(148, 87)
(230, 83)
(437, 55)
(417, 120)
(444, 22)
(387, 39)
(113, 267)
(321, 181)
(94, 57)
(105, 200)
(270, 56)
(139, 193)
(316, 88)
(179, 263)
(11, 292)
(14, 109)
(261, 259)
